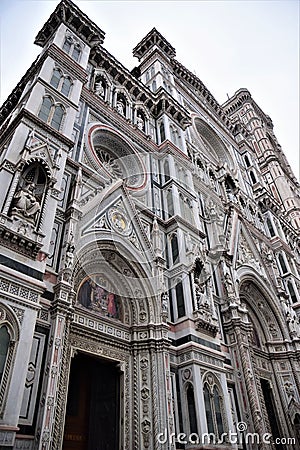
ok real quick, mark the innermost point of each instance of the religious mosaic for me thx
(94, 295)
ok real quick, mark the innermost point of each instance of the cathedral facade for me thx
(150, 256)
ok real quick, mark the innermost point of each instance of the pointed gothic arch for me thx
(10, 328)
(214, 145)
(117, 271)
(260, 302)
(214, 404)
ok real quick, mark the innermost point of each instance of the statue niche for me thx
(100, 87)
(140, 120)
(95, 295)
(29, 195)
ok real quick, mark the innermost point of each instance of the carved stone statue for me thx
(266, 253)
(70, 248)
(99, 89)
(201, 297)
(291, 318)
(228, 284)
(25, 202)
(189, 244)
(140, 122)
(120, 107)
(164, 302)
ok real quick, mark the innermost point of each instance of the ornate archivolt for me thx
(266, 311)
(211, 143)
(117, 275)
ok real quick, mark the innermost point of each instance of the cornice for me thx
(68, 13)
(12, 100)
(73, 68)
(184, 74)
(237, 101)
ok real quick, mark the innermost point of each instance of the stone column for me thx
(238, 328)
(60, 317)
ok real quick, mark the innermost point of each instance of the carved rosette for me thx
(145, 398)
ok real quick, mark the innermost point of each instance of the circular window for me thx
(111, 153)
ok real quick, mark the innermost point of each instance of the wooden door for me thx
(92, 417)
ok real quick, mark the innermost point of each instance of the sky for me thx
(228, 44)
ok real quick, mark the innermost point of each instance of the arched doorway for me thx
(93, 407)
(257, 338)
(109, 353)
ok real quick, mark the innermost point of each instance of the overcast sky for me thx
(228, 44)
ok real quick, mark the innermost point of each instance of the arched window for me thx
(247, 161)
(67, 44)
(4, 346)
(57, 117)
(191, 409)
(173, 135)
(56, 77)
(175, 249)
(45, 109)
(242, 202)
(213, 407)
(282, 263)
(208, 410)
(72, 48)
(180, 300)
(66, 86)
(61, 83)
(218, 412)
(166, 170)
(162, 132)
(170, 204)
(76, 52)
(51, 113)
(188, 210)
(292, 292)
(153, 86)
(255, 337)
(252, 176)
(270, 227)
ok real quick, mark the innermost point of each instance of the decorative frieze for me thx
(18, 290)
(97, 325)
